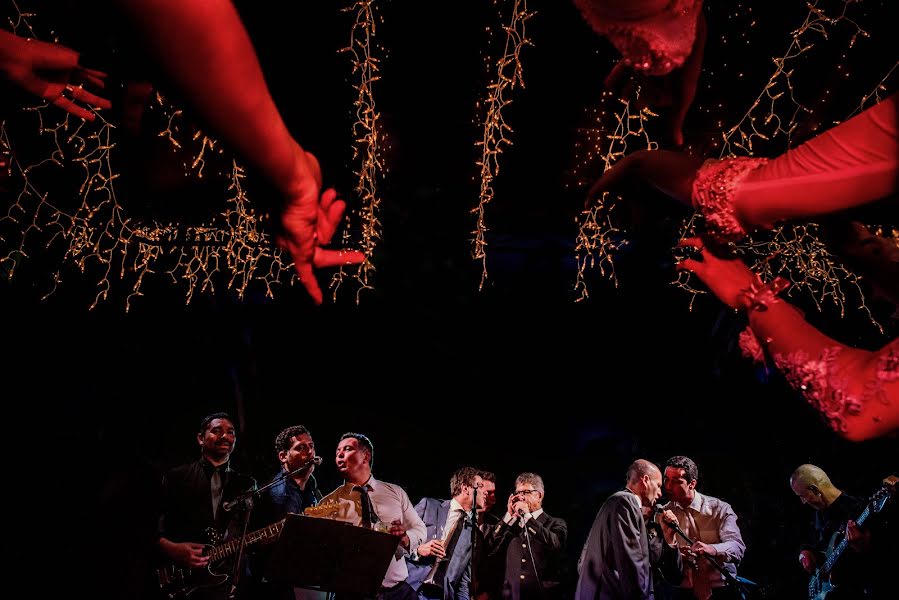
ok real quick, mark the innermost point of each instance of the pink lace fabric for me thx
(653, 36)
(713, 192)
(750, 346)
(819, 381)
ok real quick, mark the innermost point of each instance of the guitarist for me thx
(192, 504)
(853, 576)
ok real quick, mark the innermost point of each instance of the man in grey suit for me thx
(440, 567)
(616, 563)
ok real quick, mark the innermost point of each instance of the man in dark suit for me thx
(532, 542)
(490, 568)
(618, 560)
(440, 567)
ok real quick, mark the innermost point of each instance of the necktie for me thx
(455, 534)
(369, 516)
(701, 588)
(215, 485)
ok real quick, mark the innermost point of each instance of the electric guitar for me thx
(181, 582)
(819, 585)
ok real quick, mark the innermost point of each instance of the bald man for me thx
(616, 562)
(835, 511)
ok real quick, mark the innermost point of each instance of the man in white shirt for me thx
(711, 524)
(365, 501)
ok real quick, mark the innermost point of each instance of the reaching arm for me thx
(203, 47)
(731, 547)
(670, 172)
(686, 79)
(206, 51)
(851, 164)
(856, 391)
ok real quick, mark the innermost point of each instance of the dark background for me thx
(515, 377)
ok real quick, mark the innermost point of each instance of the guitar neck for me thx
(228, 548)
(844, 543)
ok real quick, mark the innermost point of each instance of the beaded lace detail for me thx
(655, 44)
(826, 390)
(713, 191)
(820, 385)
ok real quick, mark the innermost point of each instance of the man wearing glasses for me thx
(532, 542)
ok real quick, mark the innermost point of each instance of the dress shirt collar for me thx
(696, 504)
(371, 483)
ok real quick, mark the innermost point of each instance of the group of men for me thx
(451, 549)
(457, 549)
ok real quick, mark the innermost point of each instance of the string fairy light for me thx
(780, 87)
(509, 73)
(598, 239)
(232, 248)
(797, 251)
(367, 136)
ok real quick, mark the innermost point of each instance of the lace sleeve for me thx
(832, 387)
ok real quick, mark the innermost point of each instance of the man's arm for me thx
(412, 522)
(731, 547)
(631, 556)
(552, 535)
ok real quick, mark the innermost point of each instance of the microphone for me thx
(316, 460)
(657, 510)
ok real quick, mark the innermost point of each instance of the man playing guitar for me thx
(846, 558)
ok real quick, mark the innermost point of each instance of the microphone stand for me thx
(246, 499)
(231, 505)
(474, 536)
(744, 591)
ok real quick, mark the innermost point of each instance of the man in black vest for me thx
(532, 542)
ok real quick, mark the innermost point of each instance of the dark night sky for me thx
(110, 398)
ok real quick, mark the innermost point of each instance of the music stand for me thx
(331, 556)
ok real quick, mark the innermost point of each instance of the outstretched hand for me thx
(725, 277)
(51, 72)
(670, 172)
(308, 223)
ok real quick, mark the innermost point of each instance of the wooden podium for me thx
(331, 556)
